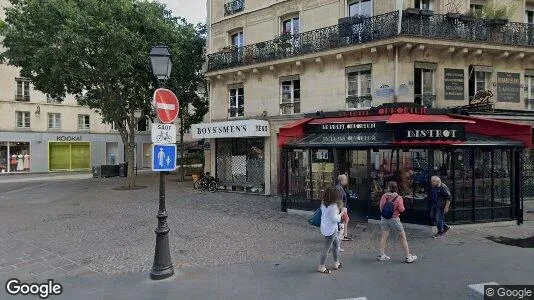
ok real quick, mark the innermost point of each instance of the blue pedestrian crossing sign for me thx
(163, 158)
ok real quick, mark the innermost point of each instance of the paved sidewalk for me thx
(4, 179)
(443, 271)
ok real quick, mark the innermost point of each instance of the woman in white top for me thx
(330, 219)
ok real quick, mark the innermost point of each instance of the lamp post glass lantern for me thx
(160, 59)
(162, 268)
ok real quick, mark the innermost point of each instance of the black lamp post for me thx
(162, 268)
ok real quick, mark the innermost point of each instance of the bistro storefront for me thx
(479, 159)
(238, 151)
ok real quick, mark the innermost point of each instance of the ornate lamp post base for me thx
(162, 267)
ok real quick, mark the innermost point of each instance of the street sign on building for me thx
(166, 105)
(163, 158)
(163, 133)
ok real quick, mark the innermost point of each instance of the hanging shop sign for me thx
(454, 84)
(231, 129)
(346, 127)
(508, 87)
(430, 132)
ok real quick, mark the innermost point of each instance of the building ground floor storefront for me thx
(480, 159)
(22, 152)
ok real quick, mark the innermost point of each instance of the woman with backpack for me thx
(330, 218)
(391, 206)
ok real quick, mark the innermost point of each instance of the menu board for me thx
(454, 84)
(508, 87)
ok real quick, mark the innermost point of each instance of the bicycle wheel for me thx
(204, 183)
(213, 186)
(198, 184)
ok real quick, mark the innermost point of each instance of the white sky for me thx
(193, 10)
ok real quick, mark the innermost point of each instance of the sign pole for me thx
(162, 267)
(163, 160)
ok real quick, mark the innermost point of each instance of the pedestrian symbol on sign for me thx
(164, 158)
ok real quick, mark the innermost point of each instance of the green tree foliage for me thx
(98, 51)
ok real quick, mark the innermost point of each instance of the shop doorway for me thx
(359, 189)
(69, 156)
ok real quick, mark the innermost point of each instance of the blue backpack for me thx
(315, 220)
(388, 209)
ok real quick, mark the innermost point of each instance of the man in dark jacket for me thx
(441, 200)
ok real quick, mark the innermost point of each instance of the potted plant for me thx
(283, 40)
(470, 16)
(498, 14)
(227, 49)
(453, 10)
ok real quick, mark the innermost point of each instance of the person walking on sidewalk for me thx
(391, 206)
(342, 183)
(330, 217)
(441, 200)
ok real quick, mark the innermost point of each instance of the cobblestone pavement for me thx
(59, 228)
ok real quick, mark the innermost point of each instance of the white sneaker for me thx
(383, 257)
(411, 258)
(340, 249)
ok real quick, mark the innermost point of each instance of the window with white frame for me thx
(529, 91)
(54, 121)
(424, 83)
(424, 4)
(236, 104)
(84, 122)
(476, 8)
(360, 8)
(359, 85)
(482, 81)
(290, 96)
(237, 39)
(291, 25)
(23, 89)
(22, 118)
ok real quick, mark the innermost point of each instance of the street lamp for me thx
(160, 59)
(162, 268)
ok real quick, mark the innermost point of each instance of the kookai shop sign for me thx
(436, 132)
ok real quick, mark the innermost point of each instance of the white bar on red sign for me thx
(166, 106)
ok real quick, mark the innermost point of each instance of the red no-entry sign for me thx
(166, 104)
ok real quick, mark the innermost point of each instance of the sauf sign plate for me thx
(163, 133)
(231, 129)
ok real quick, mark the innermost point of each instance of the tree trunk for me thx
(130, 154)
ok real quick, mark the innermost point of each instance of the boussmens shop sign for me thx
(430, 132)
(231, 129)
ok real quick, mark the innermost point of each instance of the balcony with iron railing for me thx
(360, 30)
(234, 7)
(364, 30)
(468, 29)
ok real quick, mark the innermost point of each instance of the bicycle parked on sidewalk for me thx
(206, 182)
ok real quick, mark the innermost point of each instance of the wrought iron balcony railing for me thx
(361, 30)
(234, 7)
(365, 30)
(468, 29)
(359, 101)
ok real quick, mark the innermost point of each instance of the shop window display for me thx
(14, 157)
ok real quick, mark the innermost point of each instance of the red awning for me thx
(291, 131)
(413, 118)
